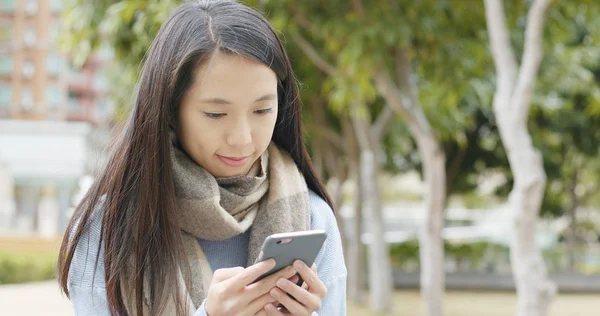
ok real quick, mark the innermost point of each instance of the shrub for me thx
(26, 267)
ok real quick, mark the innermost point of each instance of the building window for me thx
(73, 101)
(54, 96)
(28, 69)
(5, 96)
(31, 7)
(6, 65)
(27, 99)
(29, 36)
(53, 64)
(7, 5)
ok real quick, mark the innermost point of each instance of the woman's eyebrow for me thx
(265, 97)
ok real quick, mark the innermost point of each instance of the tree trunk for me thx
(335, 189)
(379, 267)
(356, 250)
(402, 98)
(572, 238)
(511, 107)
(572, 211)
(317, 159)
(534, 289)
(431, 241)
(380, 273)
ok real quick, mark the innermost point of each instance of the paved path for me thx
(34, 299)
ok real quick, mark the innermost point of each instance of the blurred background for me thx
(403, 114)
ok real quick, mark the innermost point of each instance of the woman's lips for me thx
(234, 161)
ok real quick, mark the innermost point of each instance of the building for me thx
(32, 71)
(87, 89)
(53, 117)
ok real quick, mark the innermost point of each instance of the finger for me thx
(310, 277)
(260, 302)
(272, 310)
(311, 301)
(265, 285)
(289, 303)
(226, 273)
(261, 312)
(250, 274)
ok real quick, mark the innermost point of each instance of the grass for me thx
(464, 303)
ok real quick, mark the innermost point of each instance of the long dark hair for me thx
(139, 223)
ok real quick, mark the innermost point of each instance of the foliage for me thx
(566, 116)
(18, 267)
(491, 257)
(127, 27)
(452, 68)
(466, 256)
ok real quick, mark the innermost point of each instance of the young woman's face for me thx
(227, 117)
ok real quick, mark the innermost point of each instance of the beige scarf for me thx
(274, 201)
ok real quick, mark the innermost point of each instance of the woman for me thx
(211, 161)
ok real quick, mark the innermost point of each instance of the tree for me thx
(566, 120)
(403, 98)
(511, 106)
(355, 74)
(413, 40)
(129, 26)
(350, 95)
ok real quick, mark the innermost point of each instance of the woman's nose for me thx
(240, 135)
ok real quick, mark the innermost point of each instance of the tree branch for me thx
(360, 122)
(358, 8)
(300, 17)
(504, 57)
(397, 100)
(403, 98)
(332, 137)
(313, 55)
(381, 122)
(532, 57)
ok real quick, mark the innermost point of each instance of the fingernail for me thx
(298, 264)
(275, 293)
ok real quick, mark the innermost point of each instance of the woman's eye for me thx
(214, 115)
(264, 111)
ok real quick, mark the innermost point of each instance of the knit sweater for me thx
(88, 290)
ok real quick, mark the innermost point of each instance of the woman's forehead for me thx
(229, 77)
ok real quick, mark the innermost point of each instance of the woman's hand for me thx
(308, 298)
(231, 291)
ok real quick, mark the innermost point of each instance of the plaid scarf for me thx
(274, 201)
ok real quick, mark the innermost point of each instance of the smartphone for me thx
(285, 248)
